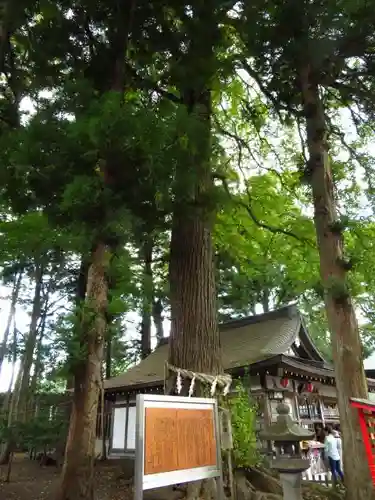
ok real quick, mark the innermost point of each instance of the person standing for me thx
(332, 451)
(337, 435)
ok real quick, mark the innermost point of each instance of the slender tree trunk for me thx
(38, 366)
(102, 420)
(8, 395)
(157, 315)
(79, 301)
(110, 332)
(147, 292)
(82, 281)
(21, 396)
(11, 315)
(346, 344)
(266, 300)
(108, 357)
(9, 407)
(78, 470)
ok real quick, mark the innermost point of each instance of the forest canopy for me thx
(163, 157)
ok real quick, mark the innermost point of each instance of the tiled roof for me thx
(243, 342)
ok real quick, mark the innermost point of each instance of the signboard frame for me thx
(144, 481)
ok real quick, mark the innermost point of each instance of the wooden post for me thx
(104, 447)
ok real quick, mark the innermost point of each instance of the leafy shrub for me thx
(243, 416)
(40, 433)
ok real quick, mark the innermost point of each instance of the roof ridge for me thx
(290, 311)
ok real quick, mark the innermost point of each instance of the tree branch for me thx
(276, 104)
(254, 218)
(147, 84)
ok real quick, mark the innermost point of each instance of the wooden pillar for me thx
(321, 410)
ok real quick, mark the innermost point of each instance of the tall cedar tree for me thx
(194, 340)
(346, 343)
(293, 64)
(78, 469)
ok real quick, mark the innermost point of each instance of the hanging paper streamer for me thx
(226, 389)
(192, 385)
(213, 387)
(179, 383)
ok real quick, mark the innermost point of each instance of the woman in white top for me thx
(332, 451)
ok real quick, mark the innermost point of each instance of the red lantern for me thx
(284, 382)
(309, 387)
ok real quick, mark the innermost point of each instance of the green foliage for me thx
(243, 416)
(89, 162)
(40, 433)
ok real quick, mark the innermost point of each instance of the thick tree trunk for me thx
(346, 344)
(78, 471)
(157, 316)
(194, 340)
(147, 298)
(11, 315)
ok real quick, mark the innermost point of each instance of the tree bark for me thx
(194, 340)
(147, 295)
(346, 344)
(78, 470)
(11, 315)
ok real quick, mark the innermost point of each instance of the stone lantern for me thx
(287, 436)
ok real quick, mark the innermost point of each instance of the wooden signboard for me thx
(177, 441)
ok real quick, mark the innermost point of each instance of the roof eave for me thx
(308, 343)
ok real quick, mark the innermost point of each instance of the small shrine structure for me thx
(274, 354)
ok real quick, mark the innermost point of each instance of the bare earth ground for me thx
(29, 481)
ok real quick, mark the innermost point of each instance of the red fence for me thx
(366, 414)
